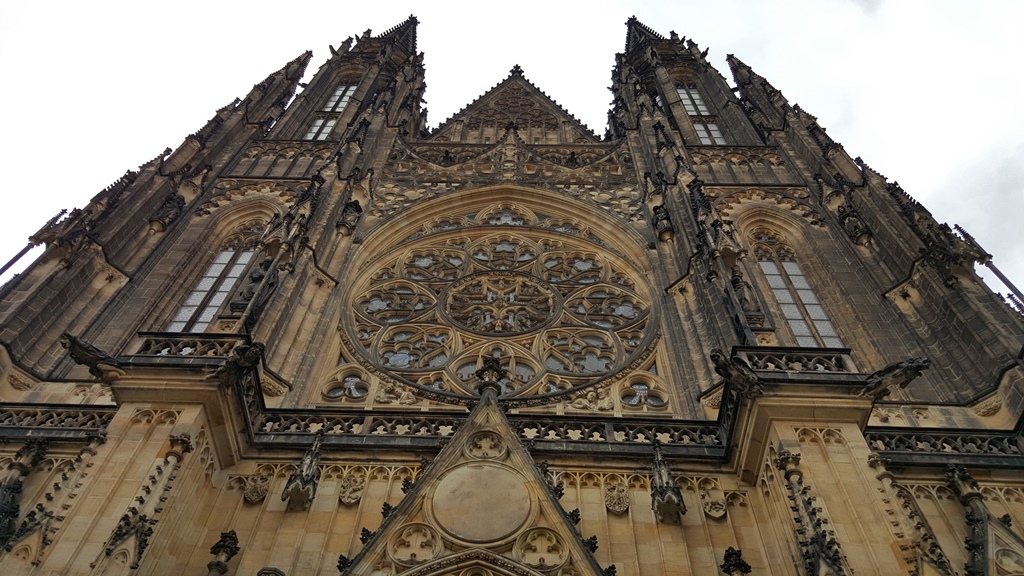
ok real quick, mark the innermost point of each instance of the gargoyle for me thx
(737, 373)
(243, 359)
(101, 365)
(898, 374)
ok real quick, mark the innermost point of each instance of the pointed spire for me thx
(405, 33)
(741, 73)
(637, 33)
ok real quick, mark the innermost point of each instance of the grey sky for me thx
(923, 91)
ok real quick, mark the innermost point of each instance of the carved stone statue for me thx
(744, 292)
(895, 375)
(301, 487)
(101, 365)
(349, 217)
(172, 207)
(666, 499)
(663, 222)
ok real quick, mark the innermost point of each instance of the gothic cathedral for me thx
(318, 338)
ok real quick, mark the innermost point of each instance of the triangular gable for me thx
(481, 501)
(515, 101)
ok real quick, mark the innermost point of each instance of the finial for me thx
(516, 71)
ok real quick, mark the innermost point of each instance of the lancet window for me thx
(692, 102)
(709, 133)
(339, 98)
(320, 129)
(219, 293)
(800, 307)
(704, 122)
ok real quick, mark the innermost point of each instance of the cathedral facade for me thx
(318, 337)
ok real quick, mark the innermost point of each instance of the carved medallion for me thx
(256, 488)
(350, 490)
(541, 548)
(466, 499)
(713, 503)
(616, 498)
(414, 544)
(486, 445)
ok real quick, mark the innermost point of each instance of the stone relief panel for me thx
(600, 174)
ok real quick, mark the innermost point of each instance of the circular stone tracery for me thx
(559, 311)
(500, 303)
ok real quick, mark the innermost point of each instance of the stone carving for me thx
(350, 490)
(243, 360)
(733, 563)
(666, 499)
(988, 407)
(486, 445)
(101, 365)
(713, 503)
(744, 292)
(737, 373)
(172, 207)
(17, 383)
(714, 400)
(616, 498)
(25, 459)
(389, 393)
(594, 400)
(223, 551)
(300, 489)
(350, 217)
(663, 223)
(896, 375)
(256, 488)
(415, 544)
(541, 548)
(609, 181)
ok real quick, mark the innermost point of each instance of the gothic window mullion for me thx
(799, 304)
(211, 293)
(320, 129)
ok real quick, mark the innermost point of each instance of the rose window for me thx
(559, 313)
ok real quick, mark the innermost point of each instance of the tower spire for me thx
(404, 33)
(638, 33)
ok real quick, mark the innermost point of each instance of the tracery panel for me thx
(559, 311)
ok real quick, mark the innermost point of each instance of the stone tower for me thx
(320, 337)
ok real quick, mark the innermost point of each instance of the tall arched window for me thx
(211, 298)
(794, 296)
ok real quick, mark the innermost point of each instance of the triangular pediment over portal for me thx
(482, 502)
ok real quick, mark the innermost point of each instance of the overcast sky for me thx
(926, 92)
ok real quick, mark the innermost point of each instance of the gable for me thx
(515, 101)
(482, 502)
